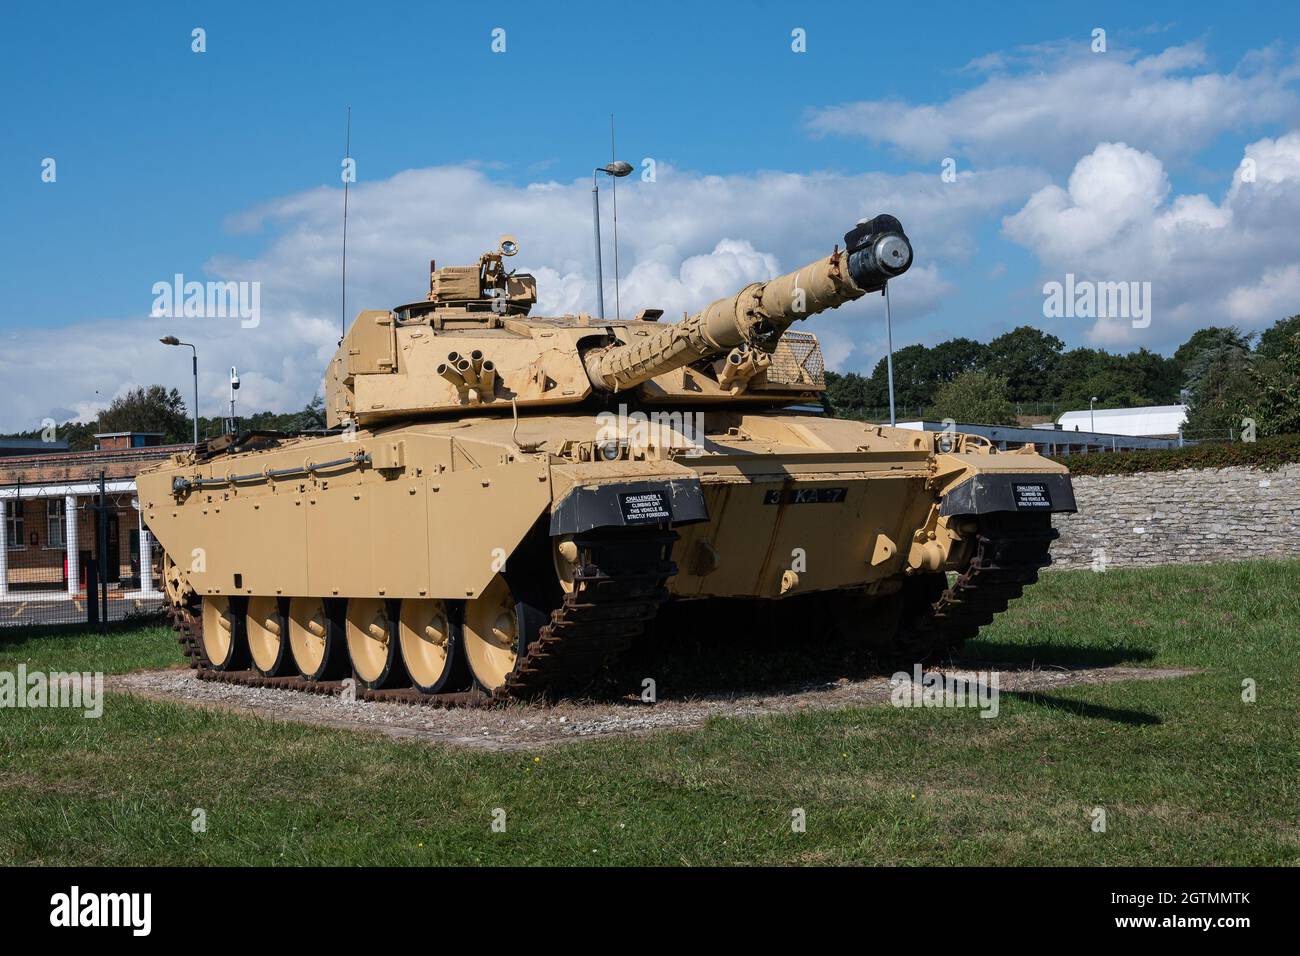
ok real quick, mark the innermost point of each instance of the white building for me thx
(1149, 422)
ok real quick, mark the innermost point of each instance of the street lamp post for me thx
(889, 355)
(1092, 415)
(619, 169)
(234, 387)
(173, 340)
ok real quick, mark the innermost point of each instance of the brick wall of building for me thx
(79, 466)
(41, 557)
(39, 560)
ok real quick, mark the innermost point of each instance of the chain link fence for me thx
(75, 559)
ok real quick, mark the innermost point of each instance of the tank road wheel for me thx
(175, 586)
(498, 629)
(268, 637)
(316, 639)
(430, 642)
(224, 641)
(372, 644)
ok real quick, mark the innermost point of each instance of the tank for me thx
(502, 503)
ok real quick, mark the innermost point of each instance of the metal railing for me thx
(75, 559)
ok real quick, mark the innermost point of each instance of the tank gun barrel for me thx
(875, 251)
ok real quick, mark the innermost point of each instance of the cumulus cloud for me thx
(1113, 191)
(1208, 262)
(684, 241)
(74, 371)
(1275, 294)
(731, 265)
(1057, 101)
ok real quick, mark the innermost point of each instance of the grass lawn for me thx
(1186, 771)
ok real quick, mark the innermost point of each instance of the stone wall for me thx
(1182, 517)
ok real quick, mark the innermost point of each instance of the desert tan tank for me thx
(505, 502)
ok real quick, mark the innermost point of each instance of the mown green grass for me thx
(73, 648)
(1187, 772)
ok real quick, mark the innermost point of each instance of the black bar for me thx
(934, 909)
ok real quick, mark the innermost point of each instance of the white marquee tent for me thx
(1139, 422)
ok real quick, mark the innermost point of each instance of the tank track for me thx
(189, 627)
(1011, 548)
(620, 585)
(617, 590)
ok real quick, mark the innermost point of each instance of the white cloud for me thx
(1059, 100)
(1209, 263)
(1111, 190)
(684, 240)
(732, 265)
(1276, 294)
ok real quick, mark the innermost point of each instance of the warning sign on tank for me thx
(645, 507)
(1032, 496)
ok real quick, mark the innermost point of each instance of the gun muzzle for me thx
(878, 250)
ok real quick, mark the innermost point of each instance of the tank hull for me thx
(767, 506)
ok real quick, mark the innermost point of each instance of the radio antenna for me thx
(347, 175)
(618, 309)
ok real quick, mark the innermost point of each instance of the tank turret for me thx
(472, 345)
(746, 327)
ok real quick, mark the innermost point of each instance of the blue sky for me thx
(225, 164)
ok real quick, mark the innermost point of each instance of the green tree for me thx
(1276, 376)
(1276, 339)
(311, 418)
(1156, 378)
(1222, 384)
(976, 398)
(149, 408)
(920, 370)
(1117, 381)
(1029, 359)
(1212, 337)
(911, 385)
(1074, 370)
(1218, 381)
(945, 361)
(845, 395)
(1110, 386)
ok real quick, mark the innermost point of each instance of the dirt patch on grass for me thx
(524, 727)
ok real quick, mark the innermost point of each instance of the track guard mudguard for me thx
(673, 501)
(1025, 492)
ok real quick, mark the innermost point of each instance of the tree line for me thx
(1223, 374)
(155, 408)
